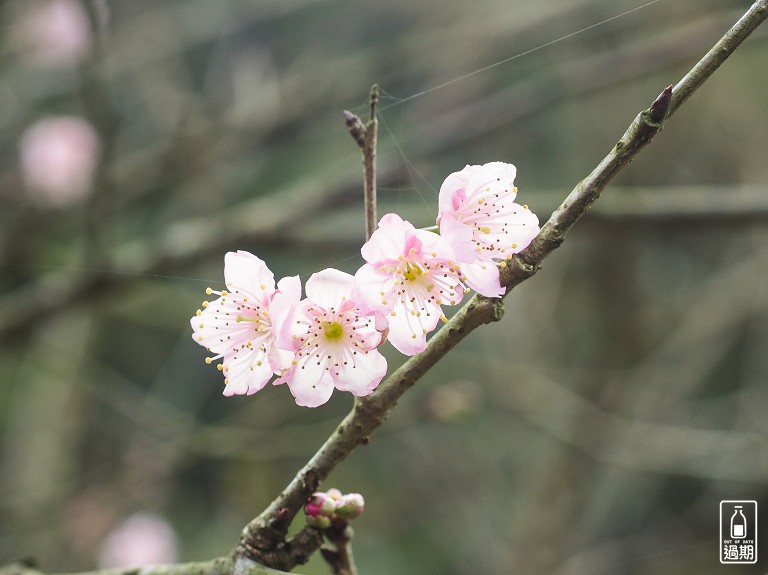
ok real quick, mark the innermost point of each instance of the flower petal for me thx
(374, 289)
(453, 192)
(245, 272)
(247, 372)
(363, 377)
(329, 288)
(408, 328)
(459, 236)
(310, 384)
(483, 277)
(387, 243)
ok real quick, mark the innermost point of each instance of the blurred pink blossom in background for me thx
(58, 157)
(56, 33)
(141, 539)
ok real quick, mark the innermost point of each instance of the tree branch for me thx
(269, 529)
(340, 558)
(366, 137)
(218, 566)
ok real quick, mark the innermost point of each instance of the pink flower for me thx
(478, 216)
(241, 326)
(59, 156)
(57, 33)
(334, 342)
(141, 539)
(410, 273)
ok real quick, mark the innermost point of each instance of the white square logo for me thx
(738, 532)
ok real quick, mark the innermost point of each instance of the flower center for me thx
(412, 272)
(333, 330)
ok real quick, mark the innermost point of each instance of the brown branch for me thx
(340, 557)
(268, 530)
(366, 137)
(369, 162)
(639, 134)
(218, 566)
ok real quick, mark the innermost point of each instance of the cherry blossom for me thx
(56, 33)
(478, 216)
(334, 341)
(59, 156)
(141, 539)
(410, 274)
(240, 327)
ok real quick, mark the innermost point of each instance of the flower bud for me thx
(351, 506)
(320, 505)
(334, 494)
(319, 521)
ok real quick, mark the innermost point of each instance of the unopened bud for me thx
(351, 506)
(334, 493)
(319, 521)
(320, 505)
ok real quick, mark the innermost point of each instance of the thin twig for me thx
(369, 163)
(366, 136)
(340, 558)
(268, 530)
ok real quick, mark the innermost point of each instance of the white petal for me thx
(290, 287)
(329, 288)
(370, 283)
(362, 377)
(498, 176)
(245, 272)
(310, 384)
(483, 277)
(217, 328)
(408, 332)
(459, 236)
(387, 242)
(248, 373)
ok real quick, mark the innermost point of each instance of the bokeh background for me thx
(595, 429)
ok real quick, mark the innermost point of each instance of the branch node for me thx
(355, 127)
(658, 111)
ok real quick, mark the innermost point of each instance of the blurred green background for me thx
(595, 429)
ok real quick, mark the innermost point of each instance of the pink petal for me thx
(369, 285)
(245, 272)
(498, 176)
(525, 228)
(387, 242)
(483, 277)
(290, 287)
(452, 192)
(329, 288)
(459, 236)
(434, 245)
(408, 332)
(289, 326)
(310, 384)
(249, 373)
(280, 359)
(362, 377)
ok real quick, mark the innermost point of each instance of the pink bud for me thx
(320, 505)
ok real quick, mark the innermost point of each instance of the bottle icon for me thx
(738, 524)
